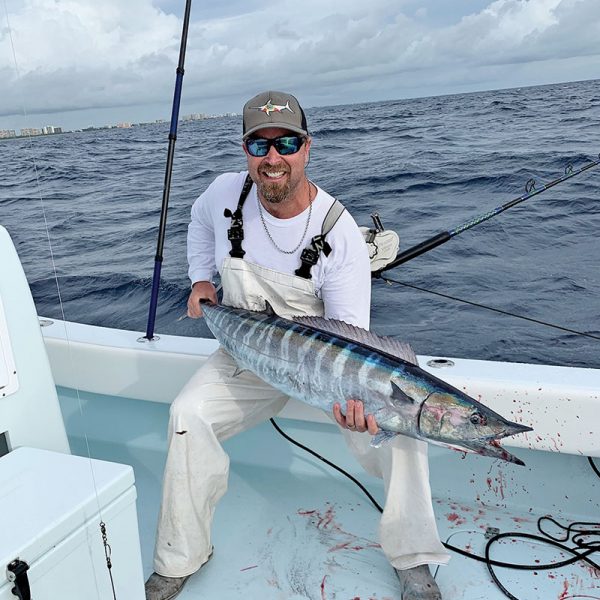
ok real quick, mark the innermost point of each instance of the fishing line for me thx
(389, 280)
(578, 539)
(101, 525)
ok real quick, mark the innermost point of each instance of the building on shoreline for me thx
(194, 117)
(30, 131)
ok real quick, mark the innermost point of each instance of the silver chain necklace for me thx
(262, 218)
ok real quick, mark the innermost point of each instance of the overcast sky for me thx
(82, 62)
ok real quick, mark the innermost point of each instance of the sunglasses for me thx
(285, 145)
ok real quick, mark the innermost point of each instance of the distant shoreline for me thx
(37, 135)
(112, 127)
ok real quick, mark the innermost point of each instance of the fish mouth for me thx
(513, 429)
(493, 449)
(491, 446)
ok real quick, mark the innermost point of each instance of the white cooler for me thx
(51, 506)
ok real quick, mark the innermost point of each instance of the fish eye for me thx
(477, 418)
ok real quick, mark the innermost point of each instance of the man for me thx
(262, 231)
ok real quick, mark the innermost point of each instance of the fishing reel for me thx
(382, 243)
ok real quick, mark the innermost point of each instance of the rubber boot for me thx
(418, 584)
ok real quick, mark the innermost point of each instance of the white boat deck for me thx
(290, 527)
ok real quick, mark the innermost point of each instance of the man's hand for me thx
(201, 290)
(355, 420)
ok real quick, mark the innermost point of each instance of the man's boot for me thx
(418, 584)
(164, 588)
(159, 587)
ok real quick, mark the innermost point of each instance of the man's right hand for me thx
(201, 290)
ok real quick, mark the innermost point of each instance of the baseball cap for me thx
(273, 109)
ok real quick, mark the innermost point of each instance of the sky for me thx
(77, 63)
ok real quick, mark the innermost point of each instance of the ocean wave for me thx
(425, 165)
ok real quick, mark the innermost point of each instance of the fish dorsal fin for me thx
(385, 344)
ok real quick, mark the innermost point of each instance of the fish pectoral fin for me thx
(238, 371)
(381, 437)
(398, 394)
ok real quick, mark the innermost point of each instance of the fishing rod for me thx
(168, 172)
(444, 236)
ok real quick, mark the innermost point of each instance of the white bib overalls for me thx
(214, 405)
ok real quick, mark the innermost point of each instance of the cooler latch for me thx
(16, 572)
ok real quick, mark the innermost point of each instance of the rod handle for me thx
(426, 246)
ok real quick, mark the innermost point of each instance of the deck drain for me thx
(440, 363)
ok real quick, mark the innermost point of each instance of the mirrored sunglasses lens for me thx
(258, 147)
(288, 144)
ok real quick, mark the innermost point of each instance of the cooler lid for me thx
(45, 496)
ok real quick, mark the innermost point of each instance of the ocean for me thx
(425, 165)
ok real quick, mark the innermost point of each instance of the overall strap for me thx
(235, 234)
(318, 244)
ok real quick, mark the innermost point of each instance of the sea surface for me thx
(425, 165)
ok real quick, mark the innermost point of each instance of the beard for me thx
(275, 193)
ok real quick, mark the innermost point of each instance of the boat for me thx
(83, 420)
(289, 527)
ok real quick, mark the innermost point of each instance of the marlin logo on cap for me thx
(269, 107)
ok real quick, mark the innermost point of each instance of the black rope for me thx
(327, 462)
(584, 547)
(497, 310)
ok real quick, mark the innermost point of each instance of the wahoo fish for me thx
(322, 361)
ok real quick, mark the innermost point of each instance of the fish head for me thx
(456, 420)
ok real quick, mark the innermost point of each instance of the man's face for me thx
(277, 177)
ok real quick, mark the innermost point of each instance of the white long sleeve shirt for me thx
(342, 279)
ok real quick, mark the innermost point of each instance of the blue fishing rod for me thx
(444, 236)
(168, 172)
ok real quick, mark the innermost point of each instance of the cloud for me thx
(84, 53)
(514, 31)
(384, 49)
(78, 53)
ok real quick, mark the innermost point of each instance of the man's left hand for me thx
(355, 419)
